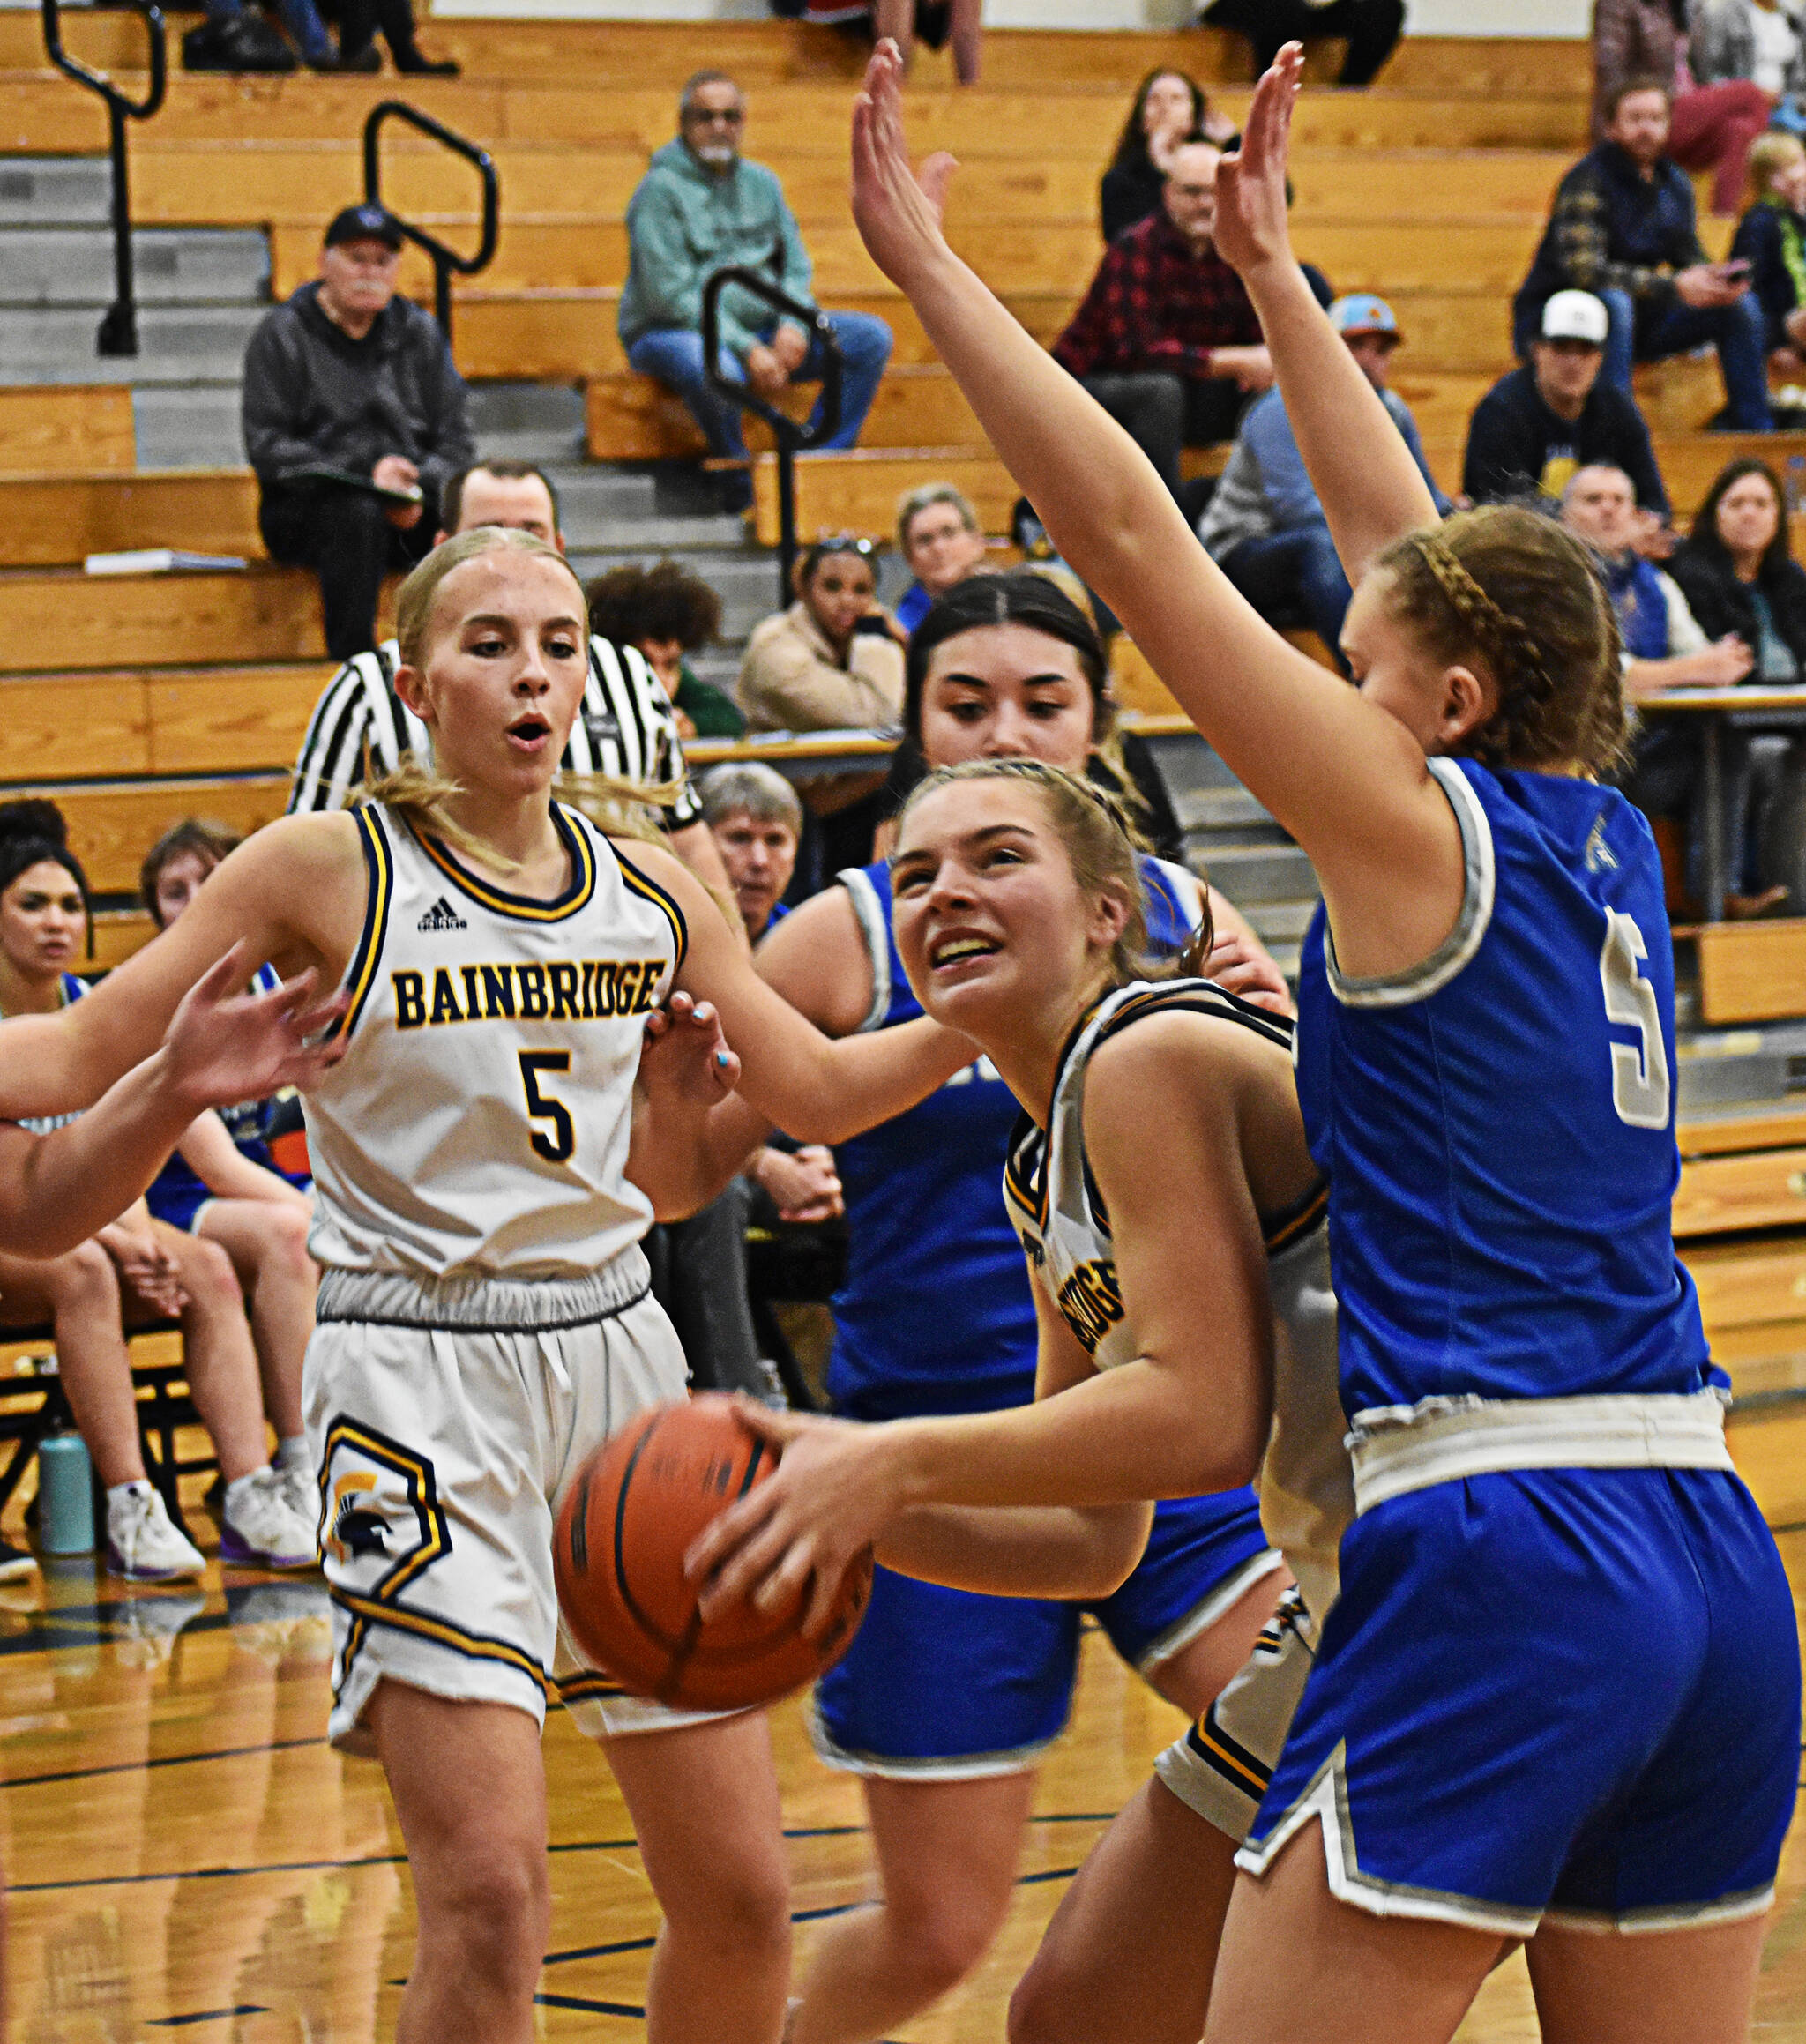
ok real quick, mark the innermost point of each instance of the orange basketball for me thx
(618, 1552)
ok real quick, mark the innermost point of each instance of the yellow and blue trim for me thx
(638, 882)
(522, 908)
(379, 868)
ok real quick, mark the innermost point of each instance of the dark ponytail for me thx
(31, 832)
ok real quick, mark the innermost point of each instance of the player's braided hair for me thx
(1509, 589)
(1098, 831)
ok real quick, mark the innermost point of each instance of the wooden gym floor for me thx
(186, 1855)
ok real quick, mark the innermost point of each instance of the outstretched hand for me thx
(227, 1047)
(1251, 228)
(898, 210)
(798, 1532)
(684, 1057)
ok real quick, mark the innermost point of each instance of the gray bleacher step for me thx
(1281, 921)
(187, 426)
(54, 190)
(1729, 1067)
(1189, 765)
(1219, 808)
(182, 343)
(1262, 873)
(538, 423)
(73, 265)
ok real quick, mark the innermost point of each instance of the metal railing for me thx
(789, 435)
(446, 262)
(118, 329)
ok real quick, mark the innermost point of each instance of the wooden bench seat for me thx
(68, 429)
(39, 112)
(49, 521)
(59, 620)
(113, 825)
(220, 720)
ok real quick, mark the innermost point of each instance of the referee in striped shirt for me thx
(627, 728)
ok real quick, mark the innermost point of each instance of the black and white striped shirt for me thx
(361, 727)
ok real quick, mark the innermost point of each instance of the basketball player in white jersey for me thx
(1187, 1323)
(483, 1180)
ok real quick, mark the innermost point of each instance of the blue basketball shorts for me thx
(945, 1684)
(1561, 1695)
(178, 1206)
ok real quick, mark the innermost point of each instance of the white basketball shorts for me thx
(446, 1419)
(1221, 1766)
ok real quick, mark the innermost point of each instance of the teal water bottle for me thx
(65, 1495)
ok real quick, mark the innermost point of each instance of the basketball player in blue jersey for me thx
(1558, 1700)
(483, 1173)
(946, 1700)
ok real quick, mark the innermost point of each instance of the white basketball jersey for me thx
(1307, 1493)
(479, 1119)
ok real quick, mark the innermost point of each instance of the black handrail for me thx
(118, 331)
(788, 435)
(444, 260)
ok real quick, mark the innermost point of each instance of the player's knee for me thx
(208, 1278)
(495, 1908)
(289, 1233)
(744, 1907)
(84, 1277)
(1041, 2005)
(941, 1941)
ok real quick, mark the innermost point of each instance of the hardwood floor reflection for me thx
(186, 1854)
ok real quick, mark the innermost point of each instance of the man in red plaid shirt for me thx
(1166, 341)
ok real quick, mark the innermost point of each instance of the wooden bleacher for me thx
(140, 699)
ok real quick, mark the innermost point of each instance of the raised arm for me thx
(815, 1089)
(1345, 776)
(1368, 485)
(58, 1190)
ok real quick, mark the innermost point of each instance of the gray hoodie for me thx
(312, 394)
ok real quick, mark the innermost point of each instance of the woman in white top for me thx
(483, 1173)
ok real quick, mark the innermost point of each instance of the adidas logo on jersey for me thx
(442, 915)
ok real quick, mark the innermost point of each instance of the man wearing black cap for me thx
(354, 419)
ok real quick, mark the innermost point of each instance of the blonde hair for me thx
(1515, 593)
(418, 794)
(1767, 154)
(1097, 830)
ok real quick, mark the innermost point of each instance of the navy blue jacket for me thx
(1612, 229)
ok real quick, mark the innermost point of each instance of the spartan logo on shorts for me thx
(383, 1524)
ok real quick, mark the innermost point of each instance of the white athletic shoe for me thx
(264, 1528)
(142, 1545)
(302, 1491)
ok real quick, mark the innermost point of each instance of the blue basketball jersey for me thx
(177, 1192)
(936, 1315)
(1497, 1125)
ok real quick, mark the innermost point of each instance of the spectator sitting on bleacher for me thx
(134, 1271)
(831, 661)
(1541, 422)
(664, 611)
(223, 1184)
(354, 419)
(1624, 228)
(1753, 40)
(1664, 646)
(1170, 109)
(1263, 526)
(703, 207)
(939, 537)
(757, 821)
(1371, 27)
(361, 727)
(1712, 126)
(1167, 340)
(1771, 239)
(1736, 571)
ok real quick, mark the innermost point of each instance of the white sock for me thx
(291, 1454)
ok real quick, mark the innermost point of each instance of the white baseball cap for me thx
(1575, 315)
